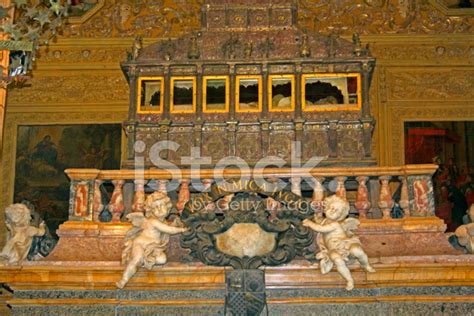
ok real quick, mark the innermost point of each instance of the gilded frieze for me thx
(448, 53)
(77, 89)
(430, 84)
(379, 17)
(149, 18)
(88, 54)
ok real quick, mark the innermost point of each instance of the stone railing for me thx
(371, 190)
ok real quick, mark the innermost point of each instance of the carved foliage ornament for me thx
(247, 207)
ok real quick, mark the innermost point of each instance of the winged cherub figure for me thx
(20, 234)
(336, 240)
(147, 240)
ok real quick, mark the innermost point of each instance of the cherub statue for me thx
(336, 240)
(465, 233)
(147, 240)
(21, 233)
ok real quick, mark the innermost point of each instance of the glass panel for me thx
(331, 92)
(281, 94)
(216, 98)
(151, 96)
(249, 95)
(183, 95)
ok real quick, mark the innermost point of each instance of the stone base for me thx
(375, 301)
(414, 236)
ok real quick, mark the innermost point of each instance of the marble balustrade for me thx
(374, 192)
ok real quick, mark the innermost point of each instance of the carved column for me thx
(231, 137)
(116, 206)
(318, 195)
(385, 199)
(232, 83)
(362, 203)
(199, 86)
(341, 189)
(298, 109)
(404, 200)
(332, 139)
(139, 196)
(265, 89)
(265, 126)
(97, 206)
(167, 94)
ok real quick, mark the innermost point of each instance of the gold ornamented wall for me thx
(424, 71)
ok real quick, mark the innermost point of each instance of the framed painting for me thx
(43, 152)
(183, 94)
(281, 93)
(150, 96)
(331, 92)
(216, 94)
(248, 94)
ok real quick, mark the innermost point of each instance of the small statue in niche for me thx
(147, 240)
(136, 49)
(20, 234)
(194, 52)
(465, 233)
(336, 240)
(305, 50)
(357, 44)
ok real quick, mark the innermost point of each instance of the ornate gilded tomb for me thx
(247, 84)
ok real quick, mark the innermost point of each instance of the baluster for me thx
(183, 195)
(385, 199)
(404, 200)
(273, 205)
(116, 206)
(162, 186)
(318, 195)
(341, 189)
(97, 206)
(362, 203)
(296, 185)
(139, 196)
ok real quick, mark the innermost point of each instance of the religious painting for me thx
(331, 92)
(150, 98)
(183, 94)
(248, 94)
(43, 152)
(216, 94)
(281, 93)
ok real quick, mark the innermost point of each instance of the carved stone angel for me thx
(465, 233)
(21, 233)
(336, 239)
(147, 240)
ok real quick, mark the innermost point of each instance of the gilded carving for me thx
(147, 18)
(379, 17)
(72, 89)
(426, 84)
(421, 52)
